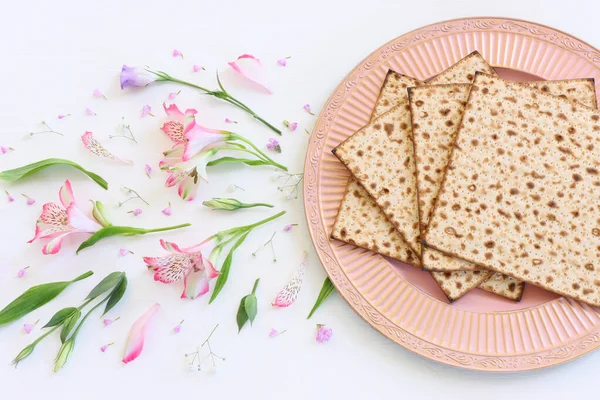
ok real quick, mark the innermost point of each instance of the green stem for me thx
(242, 105)
(88, 314)
(168, 228)
(256, 205)
(175, 80)
(255, 285)
(266, 157)
(247, 228)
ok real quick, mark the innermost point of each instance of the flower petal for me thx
(288, 295)
(211, 272)
(195, 284)
(135, 77)
(53, 246)
(80, 221)
(172, 268)
(65, 194)
(251, 68)
(199, 138)
(188, 188)
(137, 335)
(175, 112)
(170, 246)
(90, 143)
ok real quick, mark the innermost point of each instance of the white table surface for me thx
(55, 53)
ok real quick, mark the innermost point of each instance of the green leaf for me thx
(34, 298)
(242, 317)
(117, 294)
(109, 282)
(247, 161)
(250, 307)
(224, 272)
(326, 290)
(108, 232)
(13, 175)
(69, 324)
(60, 317)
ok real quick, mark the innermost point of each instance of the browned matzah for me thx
(533, 212)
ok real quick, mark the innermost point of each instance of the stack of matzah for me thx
(398, 163)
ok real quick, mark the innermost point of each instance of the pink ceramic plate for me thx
(481, 331)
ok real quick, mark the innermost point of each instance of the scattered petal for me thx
(289, 227)
(288, 295)
(173, 95)
(137, 335)
(27, 328)
(177, 328)
(177, 53)
(275, 332)
(106, 346)
(230, 121)
(147, 110)
(124, 252)
(22, 272)
(147, 170)
(4, 149)
(9, 197)
(98, 93)
(88, 112)
(135, 212)
(273, 145)
(167, 211)
(323, 334)
(94, 146)
(307, 109)
(61, 116)
(136, 77)
(30, 201)
(198, 68)
(250, 68)
(109, 321)
(290, 125)
(282, 62)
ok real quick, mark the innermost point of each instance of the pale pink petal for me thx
(124, 252)
(173, 95)
(195, 284)
(53, 246)
(288, 295)
(88, 111)
(80, 221)
(167, 211)
(175, 177)
(175, 112)
(172, 268)
(251, 68)
(188, 188)
(137, 335)
(148, 170)
(172, 157)
(90, 143)
(65, 194)
(147, 110)
(170, 246)
(211, 272)
(177, 53)
(98, 93)
(282, 62)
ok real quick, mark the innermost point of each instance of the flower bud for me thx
(26, 352)
(63, 354)
(226, 204)
(100, 214)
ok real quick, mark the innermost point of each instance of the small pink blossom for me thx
(282, 62)
(103, 348)
(135, 212)
(9, 197)
(292, 126)
(323, 333)
(124, 252)
(275, 332)
(61, 116)
(30, 200)
(173, 95)
(230, 121)
(88, 112)
(27, 328)
(22, 272)
(273, 145)
(167, 211)
(307, 109)
(289, 227)
(147, 110)
(147, 170)
(99, 94)
(177, 53)
(197, 68)
(4, 149)
(177, 328)
(109, 321)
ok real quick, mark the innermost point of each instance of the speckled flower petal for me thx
(172, 268)
(288, 295)
(90, 143)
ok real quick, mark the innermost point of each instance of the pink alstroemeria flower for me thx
(251, 68)
(188, 264)
(59, 221)
(137, 335)
(179, 124)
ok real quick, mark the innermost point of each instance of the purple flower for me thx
(177, 328)
(173, 95)
(27, 328)
(289, 227)
(148, 170)
(88, 111)
(109, 321)
(197, 68)
(4, 149)
(30, 201)
(21, 272)
(273, 145)
(9, 197)
(323, 334)
(282, 62)
(177, 53)
(147, 110)
(136, 212)
(307, 109)
(293, 126)
(167, 211)
(124, 252)
(136, 77)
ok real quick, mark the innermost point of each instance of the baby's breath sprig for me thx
(289, 184)
(124, 132)
(197, 359)
(47, 130)
(269, 242)
(132, 196)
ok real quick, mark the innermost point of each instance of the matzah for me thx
(436, 114)
(456, 284)
(504, 286)
(533, 206)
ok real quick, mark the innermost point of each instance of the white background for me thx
(54, 55)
